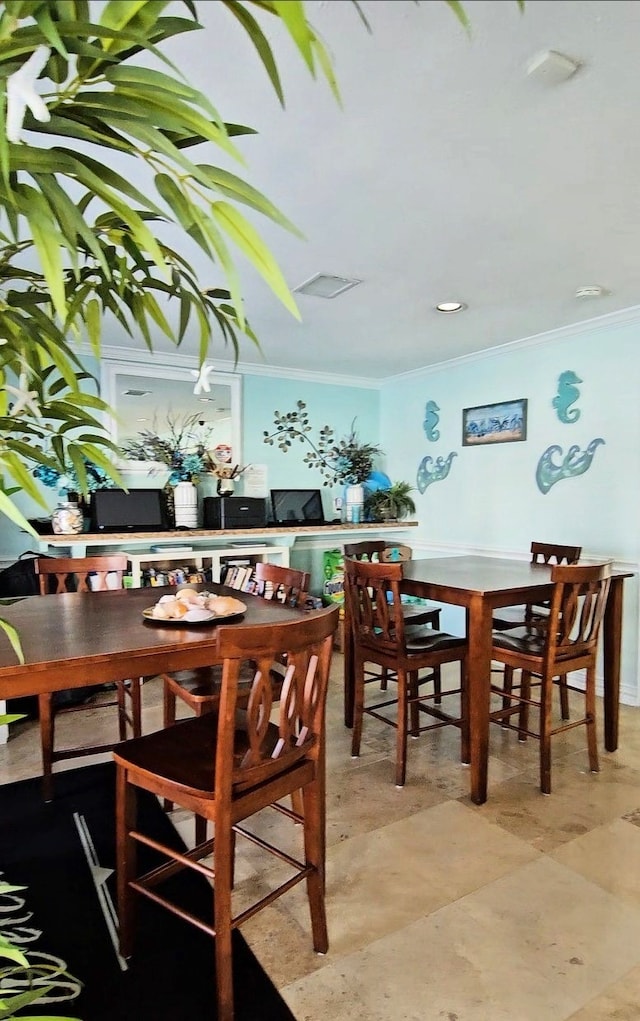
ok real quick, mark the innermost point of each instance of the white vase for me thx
(185, 503)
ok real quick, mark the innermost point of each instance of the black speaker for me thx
(233, 512)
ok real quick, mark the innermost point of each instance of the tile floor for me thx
(524, 909)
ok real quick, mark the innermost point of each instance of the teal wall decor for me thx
(428, 474)
(431, 419)
(567, 395)
(576, 462)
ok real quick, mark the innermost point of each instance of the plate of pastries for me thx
(188, 606)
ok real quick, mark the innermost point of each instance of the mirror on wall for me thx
(142, 396)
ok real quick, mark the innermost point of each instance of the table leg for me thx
(611, 647)
(479, 680)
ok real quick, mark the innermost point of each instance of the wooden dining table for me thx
(481, 584)
(80, 638)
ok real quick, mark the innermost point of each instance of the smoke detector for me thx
(551, 67)
(325, 285)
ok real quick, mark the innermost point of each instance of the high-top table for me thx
(81, 638)
(481, 584)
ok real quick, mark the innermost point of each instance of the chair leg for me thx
(358, 706)
(168, 719)
(414, 711)
(46, 713)
(384, 679)
(297, 803)
(126, 859)
(525, 695)
(401, 729)
(121, 694)
(201, 829)
(135, 693)
(590, 705)
(223, 858)
(546, 690)
(564, 698)
(437, 685)
(168, 707)
(315, 855)
(507, 687)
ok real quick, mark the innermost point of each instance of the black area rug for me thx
(172, 974)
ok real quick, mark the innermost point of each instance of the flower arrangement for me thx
(183, 448)
(69, 481)
(347, 461)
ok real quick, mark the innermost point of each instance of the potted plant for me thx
(390, 504)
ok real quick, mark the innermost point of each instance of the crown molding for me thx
(182, 361)
(624, 317)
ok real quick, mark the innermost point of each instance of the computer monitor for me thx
(139, 510)
(297, 507)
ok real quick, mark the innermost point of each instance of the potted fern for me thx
(390, 504)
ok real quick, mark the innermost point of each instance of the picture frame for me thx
(504, 422)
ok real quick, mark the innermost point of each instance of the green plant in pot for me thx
(390, 504)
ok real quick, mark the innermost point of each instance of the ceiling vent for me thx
(551, 67)
(325, 285)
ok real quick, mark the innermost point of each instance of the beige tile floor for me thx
(524, 909)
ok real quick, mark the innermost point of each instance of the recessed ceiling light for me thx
(591, 291)
(450, 306)
(325, 285)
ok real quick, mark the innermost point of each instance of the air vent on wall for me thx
(325, 285)
(136, 393)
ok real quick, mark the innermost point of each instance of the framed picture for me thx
(495, 423)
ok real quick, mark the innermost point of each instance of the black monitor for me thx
(139, 510)
(297, 507)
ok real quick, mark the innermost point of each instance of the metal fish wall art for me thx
(575, 462)
(430, 470)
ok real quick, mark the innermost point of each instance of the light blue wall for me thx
(490, 501)
(327, 404)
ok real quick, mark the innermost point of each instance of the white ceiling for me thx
(448, 173)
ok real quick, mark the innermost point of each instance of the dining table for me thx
(76, 639)
(481, 584)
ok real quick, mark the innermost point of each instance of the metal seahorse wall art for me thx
(430, 470)
(431, 419)
(567, 395)
(575, 462)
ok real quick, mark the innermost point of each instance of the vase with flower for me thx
(71, 515)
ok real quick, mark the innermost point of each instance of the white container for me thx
(354, 504)
(185, 504)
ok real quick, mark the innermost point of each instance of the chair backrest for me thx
(266, 750)
(577, 608)
(366, 550)
(79, 574)
(282, 583)
(551, 553)
(374, 606)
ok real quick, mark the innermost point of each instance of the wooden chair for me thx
(381, 635)
(568, 641)
(200, 688)
(508, 617)
(541, 553)
(372, 550)
(82, 574)
(225, 767)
